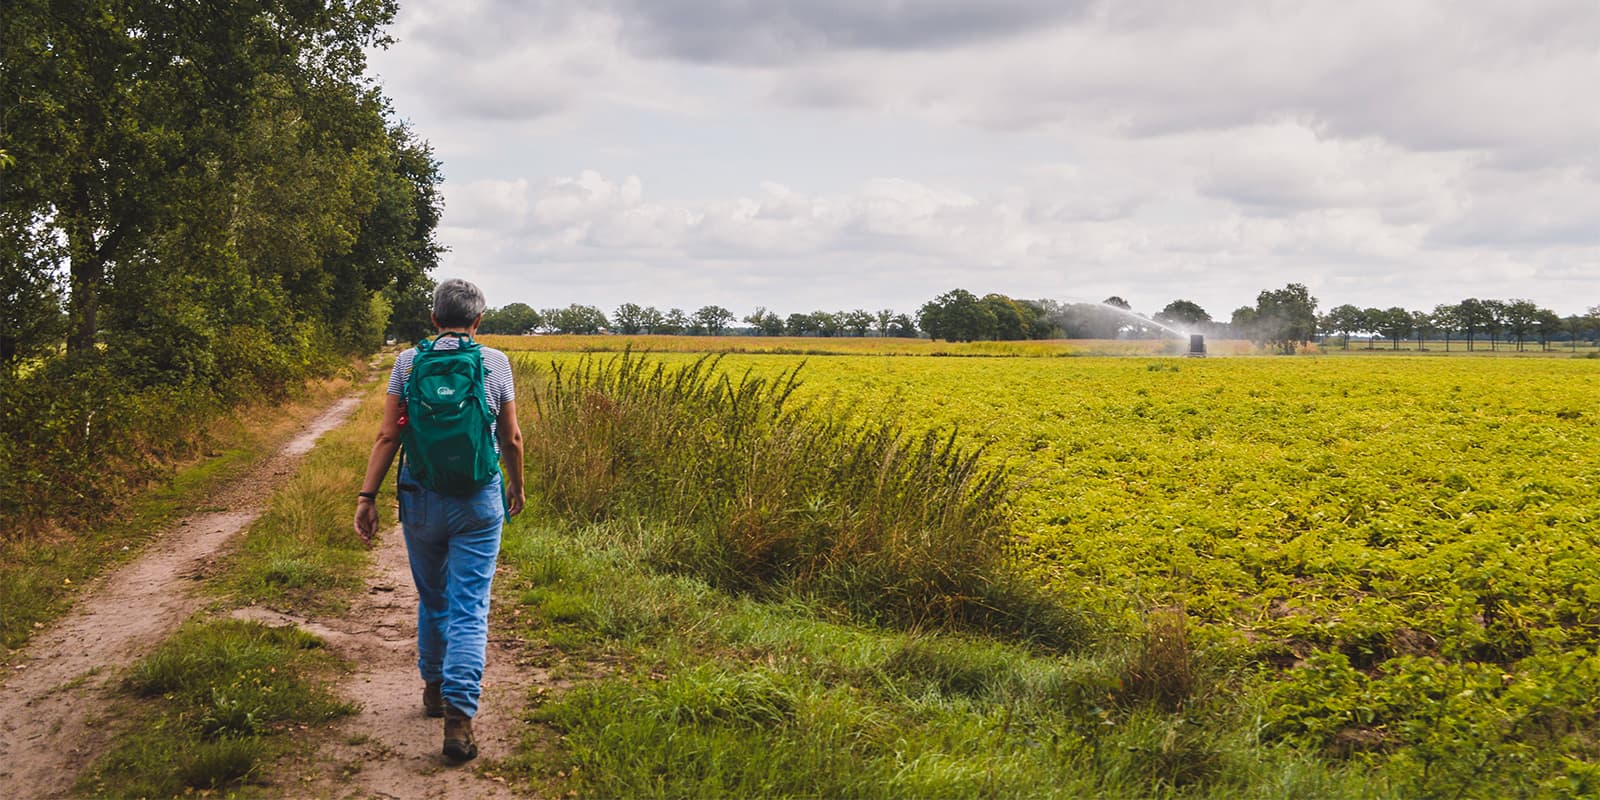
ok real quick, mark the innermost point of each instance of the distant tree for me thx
(1446, 320)
(514, 319)
(956, 316)
(1422, 324)
(1243, 322)
(766, 323)
(799, 324)
(1494, 321)
(1285, 317)
(1117, 302)
(827, 323)
(1345, 320)
(674, 322)
(1041, 324)
(1393, 324)
(1521, 317)
(857, 322)
(650, 320)
(901, 325)
(628, 319)
(1473, 317)
(576, 318)
(712, 319)
(1012, 320)
(1547, 324)
(884, 318)
(1183, 313)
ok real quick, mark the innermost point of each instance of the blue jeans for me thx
(452, 543)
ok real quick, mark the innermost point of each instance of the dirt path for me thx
(389, 749)
(47, 701)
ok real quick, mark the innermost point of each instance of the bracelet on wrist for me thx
(373, 496)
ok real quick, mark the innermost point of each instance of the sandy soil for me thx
(48, 731)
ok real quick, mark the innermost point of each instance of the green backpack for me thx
(447, 439)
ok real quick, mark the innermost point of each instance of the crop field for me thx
(1396, 555)
(846, 345)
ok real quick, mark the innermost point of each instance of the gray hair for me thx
(456, 303)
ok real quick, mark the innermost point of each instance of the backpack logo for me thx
(444, 391)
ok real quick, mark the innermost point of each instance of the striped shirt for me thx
(497, 384)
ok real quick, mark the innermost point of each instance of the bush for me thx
(742, 487)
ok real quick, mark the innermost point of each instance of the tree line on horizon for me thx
(1281, 319)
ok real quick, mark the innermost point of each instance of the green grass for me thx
(302, 554)
(213, 703)
(683, 690)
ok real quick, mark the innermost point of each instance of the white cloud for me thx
(1383, 153)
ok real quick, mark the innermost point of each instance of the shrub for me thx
(759, 495)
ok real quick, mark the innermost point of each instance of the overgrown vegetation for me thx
(43, 562)
(214, 696)
(301, 553)
(683, 690)
(733, 483)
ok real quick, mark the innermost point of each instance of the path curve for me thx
(47, 701)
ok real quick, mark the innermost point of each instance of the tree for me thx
(956, 316)
(674, 322)
(1521, 317)
(1494, 321)
(1285, 317)
(137, 141)
(514, 319)
(826, 323)
(1393, 324)
(1447, 320)
(1345, 320)
(628, 319)
(765, 322)
(576, 318)
(1422, 324)
(1183, 313)
(799, 324)
(1116, 302)
(651, 320)
(857, 322)
(902, 326)
(884, 318)
(1547, 324)
(712, 319)
(1013, 320)
(1472, 316)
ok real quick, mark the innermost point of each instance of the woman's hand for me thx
(366, 520)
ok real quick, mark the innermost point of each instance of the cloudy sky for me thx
(836, 154)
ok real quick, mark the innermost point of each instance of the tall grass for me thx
(758, 494)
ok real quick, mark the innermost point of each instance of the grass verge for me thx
(302, 555)
(214, 703)
(680, 689)
(42, 569)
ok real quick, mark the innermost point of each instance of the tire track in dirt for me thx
(48, 702)
(389, 749)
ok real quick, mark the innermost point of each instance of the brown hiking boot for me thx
(432, 700)
(458, 742)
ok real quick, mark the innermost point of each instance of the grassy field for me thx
(1391, 558)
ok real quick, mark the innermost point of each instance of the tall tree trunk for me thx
(88, 271)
